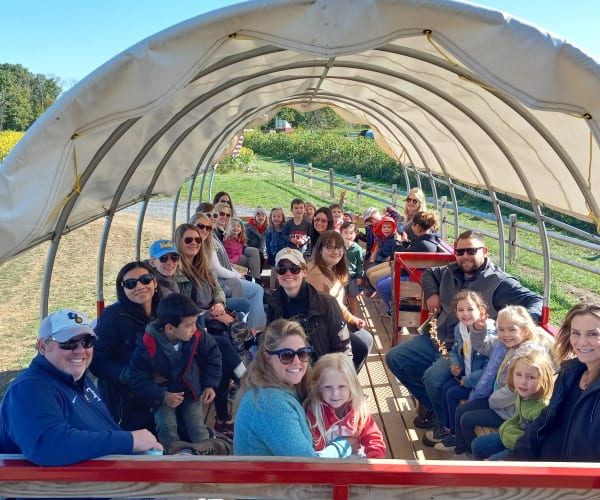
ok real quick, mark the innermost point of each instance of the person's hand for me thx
(144, 440)
(461, 382)
(358, 322)
(433, 303)
(359, 281)
(217, 309)
(354, 443)
(224, 318)
(480, 324)
(208, 395)
(173, 399)
(455, 370)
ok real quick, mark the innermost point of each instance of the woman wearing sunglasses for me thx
(118, 329)
(296, 299)
(250, 257)
(328, 273)
(270, 420)
(219, 263)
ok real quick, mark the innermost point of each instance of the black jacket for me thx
(321, 319)
(118, 330)
(582, 432)
(191, 369)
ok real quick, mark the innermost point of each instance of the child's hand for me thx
(481, 322)
(208, 395)
(455, 370)
(173, 399)
(354, 443)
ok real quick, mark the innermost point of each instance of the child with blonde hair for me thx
(274, 240)
(495, 402)
(336, 407)
(234, 241)
(531, 377)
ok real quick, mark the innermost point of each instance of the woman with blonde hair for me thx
(270, 420)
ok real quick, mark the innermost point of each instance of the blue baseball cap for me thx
(162, 247)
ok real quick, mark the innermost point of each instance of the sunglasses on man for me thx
(70, 345)
(468, 251)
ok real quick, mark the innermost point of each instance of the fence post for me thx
(394, 195)
(293, 176)
(512, 238)
(358, 190)
(310, 183)
(331, 186)
(443, 218)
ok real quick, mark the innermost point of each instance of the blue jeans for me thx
(254, 293)
(191, 416)
(470, 415)
(384, 287)
(362, 343)
(410, 361)
(452, 394)
(489, 446)
(240, 305)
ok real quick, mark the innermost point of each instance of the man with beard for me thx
(415, 362)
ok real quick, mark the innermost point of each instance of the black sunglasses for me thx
(211, 214)
(294, 269)
(173, 256)
(469, 251)
(71, 344)
(131, 283)
(412, 200)
(286, 356)
(189, 239)
(223, 214)
(202, 227)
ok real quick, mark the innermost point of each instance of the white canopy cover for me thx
(464, 91)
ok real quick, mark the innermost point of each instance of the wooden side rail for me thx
(413, 264)
(237, 477)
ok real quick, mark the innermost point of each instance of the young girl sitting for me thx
(336, 407)
(274, 240)
(531, 377)
(234, 241)
(466, 367)
(515, 328)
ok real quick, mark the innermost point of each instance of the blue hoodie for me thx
(53, 420)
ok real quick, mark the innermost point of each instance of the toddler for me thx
(336, 407)
(234, 241)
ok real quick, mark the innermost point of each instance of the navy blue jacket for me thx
(191, 369)
(54, 421)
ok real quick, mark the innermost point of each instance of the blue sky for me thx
(70, 38)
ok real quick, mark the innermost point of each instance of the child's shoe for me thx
(447, 444)
(437, 435)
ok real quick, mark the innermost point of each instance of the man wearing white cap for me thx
(51, 413)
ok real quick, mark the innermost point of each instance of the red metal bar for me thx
(340, 473)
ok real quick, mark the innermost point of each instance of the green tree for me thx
(24, 96)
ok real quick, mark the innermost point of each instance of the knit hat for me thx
(63, 325)
(368, 213)
(162, 247)
(291, 254)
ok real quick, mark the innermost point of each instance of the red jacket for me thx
(370, 436)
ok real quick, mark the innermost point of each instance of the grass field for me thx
(268, 184)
